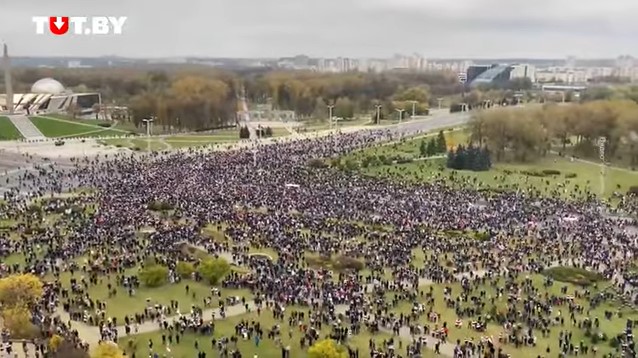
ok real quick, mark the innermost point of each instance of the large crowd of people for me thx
(268, 196)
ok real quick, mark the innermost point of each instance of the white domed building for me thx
(47, 86)
(50, 96)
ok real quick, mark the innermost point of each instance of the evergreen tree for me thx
(461, 158)
(432, 148)
(473, 158)
(469, 158)
(486, 162)
(244, 133)
(451, 159)
(441, 143)
(423, 148)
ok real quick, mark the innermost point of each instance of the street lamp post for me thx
(330, 107)
(148, 122)
(400, 110)
(440, 101)
(601, 153)
(413, 108)
(378, 106)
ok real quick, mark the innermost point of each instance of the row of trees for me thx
(189, 102)
(212, 270)
(469, 158)
(433, 146)
(200, 97)
(524, 134)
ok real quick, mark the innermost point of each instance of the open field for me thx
(550, 175)
(184, 140)
(7, 130)
(56, 128)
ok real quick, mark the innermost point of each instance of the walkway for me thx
(24, 125)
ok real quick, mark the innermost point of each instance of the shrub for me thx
(351, 164)
(317, 163)
(7, 228)
(551, 172)
(184, 269)
(213, 270)
(404, 160)
(158, 205)
(533, 173)
(575, 275)
(244, 133)
(34, 208)
(154, 275)
(482, 236)
(118, 146)
(614, 342)
(570, 175)
(347, 263)
(137, 149)
(318, 261)
(104, 125)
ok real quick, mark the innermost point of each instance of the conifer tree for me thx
(441, 143)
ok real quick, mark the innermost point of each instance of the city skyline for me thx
(464, 29)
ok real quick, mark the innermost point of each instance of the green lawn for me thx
(95, 122)
(225, 136)
(53, 128)
(510, 176)
(123, 304)
(7, 130)
(226, 329)
(96, 133)
(574, 179)
(144, 144)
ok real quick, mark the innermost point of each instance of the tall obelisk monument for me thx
(6, 63)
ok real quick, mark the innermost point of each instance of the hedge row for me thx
(159, 205)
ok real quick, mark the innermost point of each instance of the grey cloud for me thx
(377, 28)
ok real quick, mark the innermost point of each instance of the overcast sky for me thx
(330, 28)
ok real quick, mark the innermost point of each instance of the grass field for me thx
(54, 128)
(184, 140)
(95, 122)
(226, 329)
(7, 130)
(574, 177)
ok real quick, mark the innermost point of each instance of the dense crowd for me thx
(268, 196)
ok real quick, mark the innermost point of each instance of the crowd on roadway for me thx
(267, 196)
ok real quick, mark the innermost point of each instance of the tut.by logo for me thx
(81, 25)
